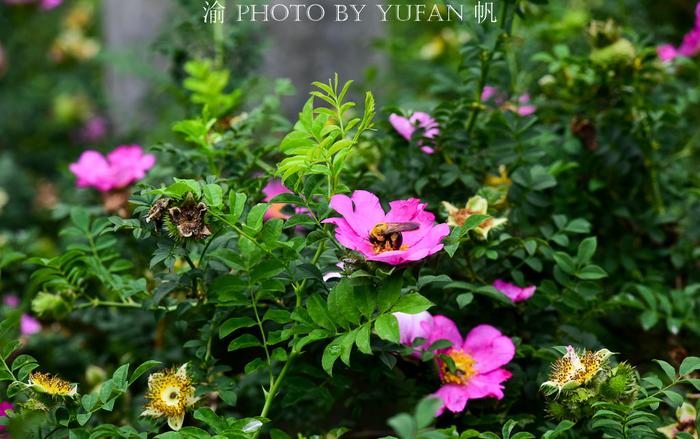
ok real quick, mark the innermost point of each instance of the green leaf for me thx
(236, 204)
(565, 262)
(464, 299)
(234, 324)
(143, 368)
(387, 327)
(318, 312)
(331, 353)
(341, 302)
(689, 365)
(255, 216)
(586, 250)
(213, 195)
(426, 410)
(591, 272)
(362, 339)
(404, 425)
(412, 303)
(83, 418)
(119, 377)
(669, 370)
(244, 341)
(389, 292)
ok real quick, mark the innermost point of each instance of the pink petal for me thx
(454, 398)
(488, 92)
(526, 110)
(11, 300)
(487, 385)
(445, 329)
(413, 326)
(514, 292)
(50, 4)
(691, 43)
(28, 325)
(402, 126)
(489, 348)
(92, 170)
(273, 188)
(429, 125)
(666, 52)
(427, 149)
(348, 237)
(362, 212)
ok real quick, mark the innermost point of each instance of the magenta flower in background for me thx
(94, 129)
(123, 166)
(11, 300)
(690, 46)
(45, 4)
(271, 190)
(407, 126)
(514, 292)
(490, 92)
(4, 407)
(417, 235)
(666, 52)
(478, 358)
(521, 106)
(28, 325)
(50, 4)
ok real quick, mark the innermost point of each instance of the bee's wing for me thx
(400, 227)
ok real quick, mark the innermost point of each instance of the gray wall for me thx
(301, 51)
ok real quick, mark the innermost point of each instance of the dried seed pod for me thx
(155, 213)
(188, 219)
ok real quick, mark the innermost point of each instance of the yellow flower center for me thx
(53, 385)
(168, 393)
(463, 371)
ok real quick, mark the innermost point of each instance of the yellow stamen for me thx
(464, 368)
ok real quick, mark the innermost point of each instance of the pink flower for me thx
(94, 129)
(477, 358)
(514, 292)
(11, 300)
(4, 407)
(28, 325)
(407, 233)
(50, 4)
(490, 92)
(521, 105)
(666, 52)
(407, 126)
(45, 4)
(691, 43)
(123, 166)
(273, 188)
(690, 46)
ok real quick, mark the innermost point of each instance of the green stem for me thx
(276, 385)
(486, 66)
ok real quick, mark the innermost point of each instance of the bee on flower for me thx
(52, 385)
(407, 233)
(169, 394)
(476, 205)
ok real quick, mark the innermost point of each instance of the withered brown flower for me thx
(155, 213)
(188, 218)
